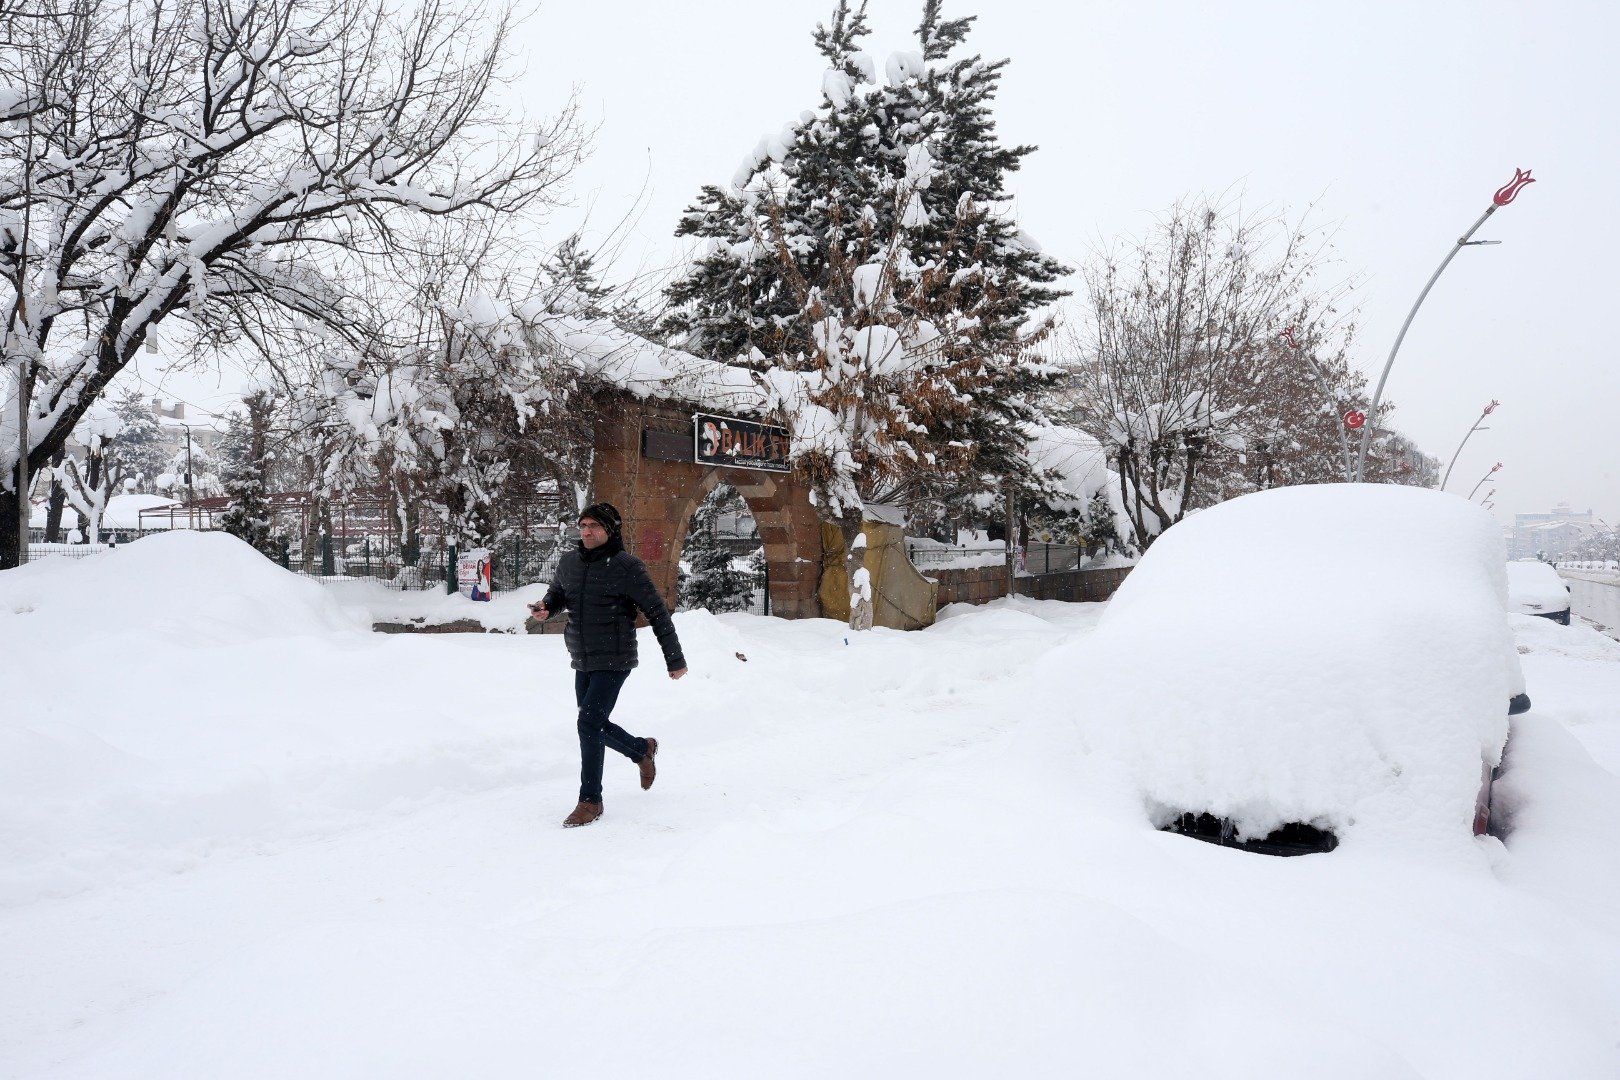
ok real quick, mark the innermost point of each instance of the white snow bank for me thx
(194, 588)
(385, 876)
(1332, 654)
(1534, 586)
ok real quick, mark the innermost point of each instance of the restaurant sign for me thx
(740, 444)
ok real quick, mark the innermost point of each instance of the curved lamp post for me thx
(1494, 470)
(1492, 407)
(1504, 195)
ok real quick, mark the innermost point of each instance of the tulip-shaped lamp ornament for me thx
(1504, 195)
(1492, 407)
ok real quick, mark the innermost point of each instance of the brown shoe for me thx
(584, 814)
(649, 771)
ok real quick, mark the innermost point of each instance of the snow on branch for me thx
(229, 163)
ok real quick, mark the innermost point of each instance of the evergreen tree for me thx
(713, 582)
(248, 516)
(869, 243)
(243, 452)
(234, 446)
(138, 453)
(823, 192)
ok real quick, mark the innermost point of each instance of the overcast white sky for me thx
(1397, 119)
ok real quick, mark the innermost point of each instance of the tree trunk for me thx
(91, 530)
(10, 554)
(53, 509)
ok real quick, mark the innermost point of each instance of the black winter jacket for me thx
(601, 591)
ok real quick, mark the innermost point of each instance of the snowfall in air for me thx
(243, 836)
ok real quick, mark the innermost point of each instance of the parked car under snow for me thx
(1534, 588)
(1310, 665)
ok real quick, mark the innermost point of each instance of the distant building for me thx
(1550, 534)
(172, 423)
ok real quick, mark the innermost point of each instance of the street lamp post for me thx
(1494, 470)
(191, 492)
(1488, 410)
(1504, 195)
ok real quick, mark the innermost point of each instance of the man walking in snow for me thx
(602, 586)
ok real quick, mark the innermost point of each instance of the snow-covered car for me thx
(1302, 666)
(1534, 588)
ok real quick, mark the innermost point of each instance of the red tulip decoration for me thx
(1508, 191)
(1492, 407)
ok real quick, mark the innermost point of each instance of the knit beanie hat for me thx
(605, 515)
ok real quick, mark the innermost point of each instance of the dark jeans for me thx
(596, 692)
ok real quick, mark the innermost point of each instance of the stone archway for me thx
(658, 497)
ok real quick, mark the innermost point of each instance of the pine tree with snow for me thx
(714, 582)
(138, 454)
(869, 244)
(248, 516)
(1004, 278)
(245, 456)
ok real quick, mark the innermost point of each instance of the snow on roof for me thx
(1333, 654)
(646, 369)
(123, 512)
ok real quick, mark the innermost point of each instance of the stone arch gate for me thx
(658, 497)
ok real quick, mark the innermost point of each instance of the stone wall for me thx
(981, 584)
(1075, 586)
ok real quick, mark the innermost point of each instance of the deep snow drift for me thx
(253, 843)
(1329, 654)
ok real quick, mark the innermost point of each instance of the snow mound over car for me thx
(1535, 587)
(192, 587)
(1330, 655)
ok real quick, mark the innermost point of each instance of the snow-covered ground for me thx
(242, 836)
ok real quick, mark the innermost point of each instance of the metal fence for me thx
(1037, 558)
(522, 559)
(65, 551)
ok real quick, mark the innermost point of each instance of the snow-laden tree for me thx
(88, 482)
(139, 452)
(244, 455)
(192, 471)
(865, 262)
(1213, 363)
(714, 582)
(455, 408)
(230, 164)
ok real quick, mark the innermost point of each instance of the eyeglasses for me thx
(591, 526)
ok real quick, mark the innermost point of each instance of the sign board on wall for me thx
(739, 444)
